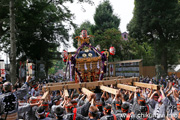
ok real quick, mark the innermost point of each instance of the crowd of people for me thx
(25, 102)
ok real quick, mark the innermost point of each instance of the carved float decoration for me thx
(87, 64)
(65, 55)
(112, 51)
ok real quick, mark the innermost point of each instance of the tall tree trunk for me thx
(12, 43)
(164, 61)
(46, 69)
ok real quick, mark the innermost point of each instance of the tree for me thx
(57, 65)
(52, 70)
(106, 30)
(13, 43)
(108, 38)
(85, 25)
(144, 51)
(104, 17)
(157, 23)
(4, 18)
(42, 33)
(39, 27)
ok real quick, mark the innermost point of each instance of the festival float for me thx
(85, 69)
(87, 64)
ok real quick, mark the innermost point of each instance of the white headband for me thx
(40, 113)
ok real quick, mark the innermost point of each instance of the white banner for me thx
(30, 71)
(2, 68)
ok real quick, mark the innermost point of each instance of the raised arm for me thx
(103, 95)
(112, 96)
(169, 93)
(150, 93)
(175, 94)
(72, 94)
(81, 99)
(24, 89)
(83, 110)
(169, 87)
(131, 95)
(162, 93)
(107, 95)
(153, 94)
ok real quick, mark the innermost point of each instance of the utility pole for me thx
(12, 43)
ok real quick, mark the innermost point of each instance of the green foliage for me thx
(57, 65)
(51, 71)
(39, 27)
(106, 30)
(157, 23)
(104, 18)
(85, 25)
(144, 51)
(4, 22)
(108, 38)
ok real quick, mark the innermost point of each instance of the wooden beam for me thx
(145, 85)
(66, 93)
(45, 95)
(110, 78)
(61, 87)
(126, 61)
(125, 80)
(73, 86)
(109, 82)
(86, 91)
(127, 87)
(88, 84)
(61, 83)
(91, 85)
(109, 90)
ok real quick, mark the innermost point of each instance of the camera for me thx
(143, 109)
(10, 102)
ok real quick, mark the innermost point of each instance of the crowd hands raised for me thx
(144, 104)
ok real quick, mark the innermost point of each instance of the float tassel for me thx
(91, 65)
(98, 65)
(85, 67)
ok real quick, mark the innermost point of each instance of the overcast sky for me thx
(122, 8)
